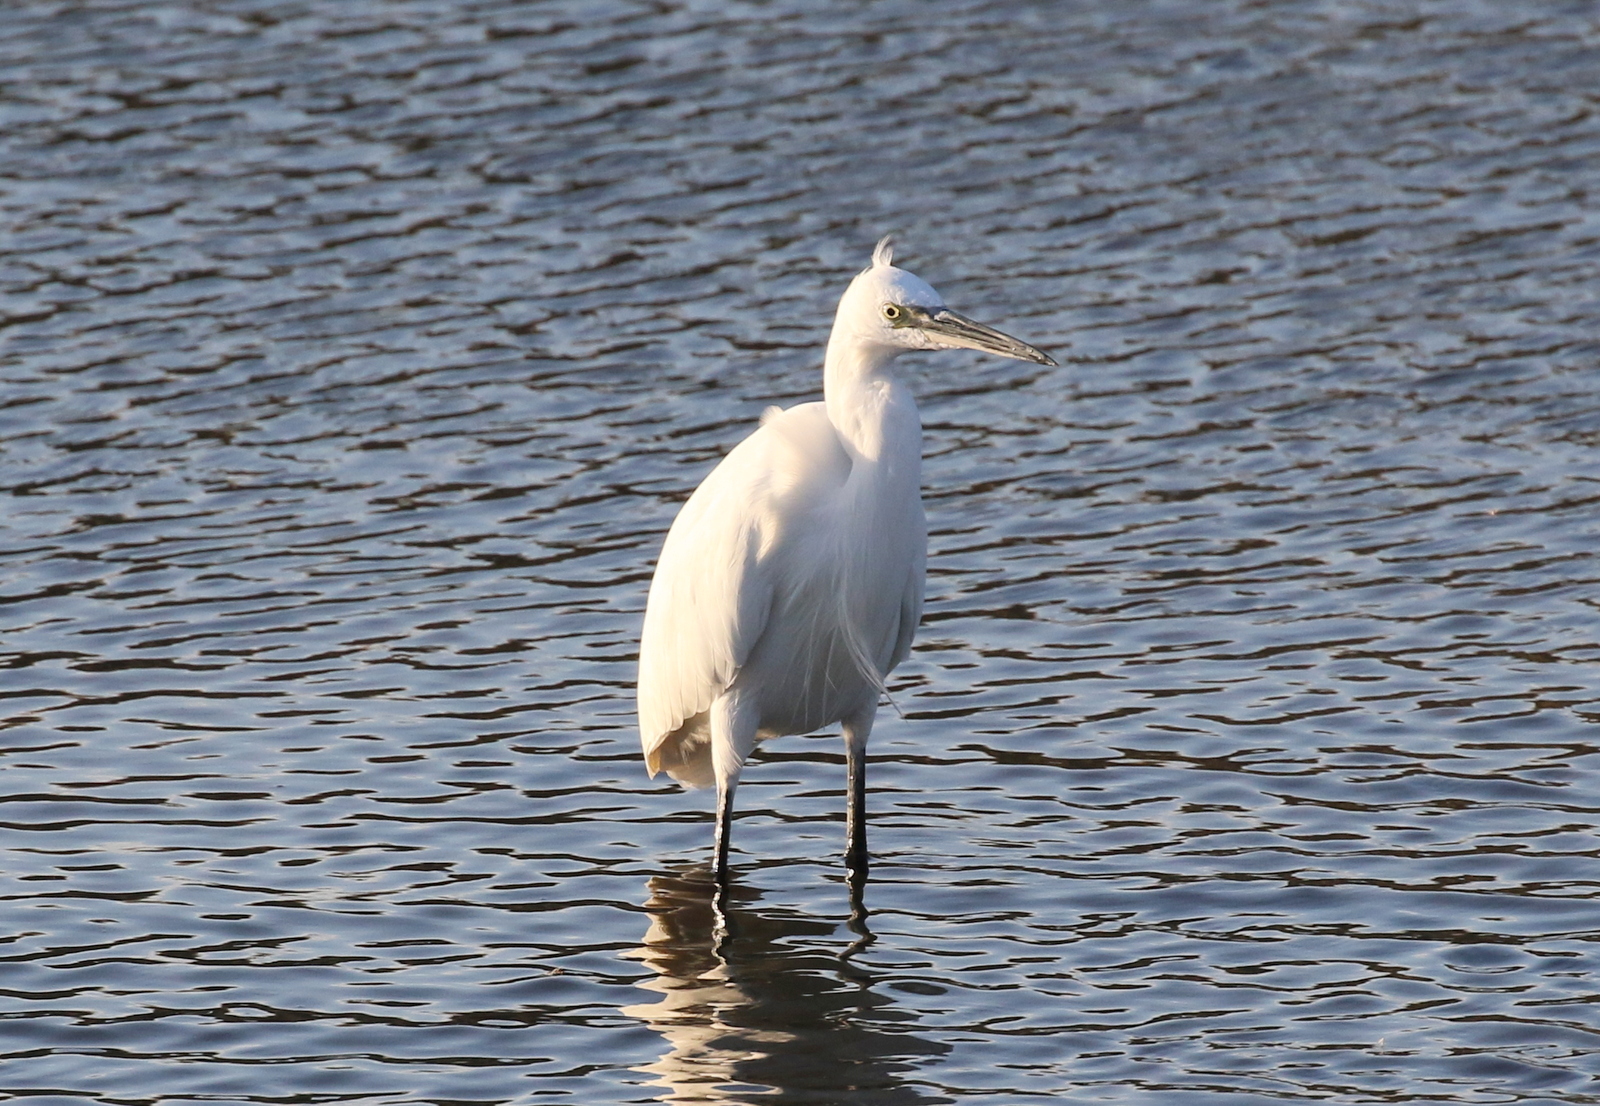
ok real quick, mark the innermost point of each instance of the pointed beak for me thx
(951, 329)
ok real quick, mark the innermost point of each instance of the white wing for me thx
(718, 574)
(910, 607)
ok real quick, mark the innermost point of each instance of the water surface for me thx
(357, 356)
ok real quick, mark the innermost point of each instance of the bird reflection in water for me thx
(754, 1007)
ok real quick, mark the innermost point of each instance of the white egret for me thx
(791, 581)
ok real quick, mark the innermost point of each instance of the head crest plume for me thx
(883, 254)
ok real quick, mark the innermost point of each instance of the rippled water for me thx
(356, 357)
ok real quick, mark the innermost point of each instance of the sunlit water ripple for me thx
(357, 356)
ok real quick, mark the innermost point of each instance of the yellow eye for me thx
(892, 312)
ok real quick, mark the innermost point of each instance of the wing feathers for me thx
(714, 583)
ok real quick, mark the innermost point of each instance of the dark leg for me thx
(856, 731)
(855, 819)
(719, 856)
(733, 735)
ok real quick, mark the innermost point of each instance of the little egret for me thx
(791, 582)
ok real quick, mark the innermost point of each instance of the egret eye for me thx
(892, 312)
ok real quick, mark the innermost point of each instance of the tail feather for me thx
(685, 754)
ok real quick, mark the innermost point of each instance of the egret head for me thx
(889, 308)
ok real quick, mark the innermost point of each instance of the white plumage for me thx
(790, 584)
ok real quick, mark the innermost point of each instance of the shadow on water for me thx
(752, 1009)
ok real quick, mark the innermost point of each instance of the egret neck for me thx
(870, 406)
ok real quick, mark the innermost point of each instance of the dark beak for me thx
(952, 329)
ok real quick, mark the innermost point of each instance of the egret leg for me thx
(733, 735)
(855, 819)
(719, 855)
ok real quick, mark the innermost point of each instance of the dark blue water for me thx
(354, 358)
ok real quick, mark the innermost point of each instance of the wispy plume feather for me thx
(883, 254)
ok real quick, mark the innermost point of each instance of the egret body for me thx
(790, 584)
